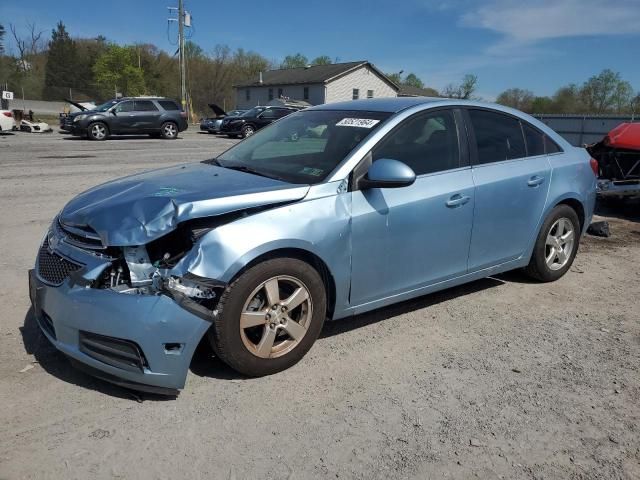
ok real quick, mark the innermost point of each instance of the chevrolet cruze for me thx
(332, 211)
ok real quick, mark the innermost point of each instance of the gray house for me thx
(316, 84)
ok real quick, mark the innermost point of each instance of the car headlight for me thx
(78, 118)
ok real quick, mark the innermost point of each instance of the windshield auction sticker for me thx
(357, 122)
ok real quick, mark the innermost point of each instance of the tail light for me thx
(183, 114)
(594, 166)
(7, 114)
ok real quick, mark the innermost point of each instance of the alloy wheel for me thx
(247, 131)
(170, 130)
(98, 131)
(559, 244)
(276, 317)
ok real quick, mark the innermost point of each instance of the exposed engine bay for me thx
(148, 270)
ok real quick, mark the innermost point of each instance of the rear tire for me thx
(169, 131)
(556, 245)
(269, 317)
(97, 131)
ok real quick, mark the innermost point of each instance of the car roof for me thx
(397, 104)
(142, 98)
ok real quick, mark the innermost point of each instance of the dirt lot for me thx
(500, 378)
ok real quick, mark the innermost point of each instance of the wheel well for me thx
(577, 207)
(307, 257)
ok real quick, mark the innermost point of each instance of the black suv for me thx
(252, 120)
(158, 117)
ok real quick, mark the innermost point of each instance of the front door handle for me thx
(535, 181)
(457, 200)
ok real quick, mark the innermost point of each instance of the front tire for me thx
(556, 245)
(247, 131)
(97, 131)
(169, 131)
(269, 317)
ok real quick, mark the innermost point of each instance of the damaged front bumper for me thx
(143, 341)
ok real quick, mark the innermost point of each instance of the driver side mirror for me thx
(387, 173)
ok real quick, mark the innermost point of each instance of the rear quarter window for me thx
(169, 105)
(534, 139)
(550, 146)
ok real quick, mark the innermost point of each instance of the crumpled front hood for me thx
(138, 209)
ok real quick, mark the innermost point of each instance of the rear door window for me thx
(145, 106)
(498, 136)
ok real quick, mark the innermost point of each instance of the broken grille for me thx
(52, 268)
(89, 240)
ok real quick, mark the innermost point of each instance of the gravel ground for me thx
(500, 378)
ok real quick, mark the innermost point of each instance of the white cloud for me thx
(525, 22)
(523, 26)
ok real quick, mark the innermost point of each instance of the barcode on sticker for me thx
(357, 122)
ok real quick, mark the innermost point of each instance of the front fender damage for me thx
(150, 270)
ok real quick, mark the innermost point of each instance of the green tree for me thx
(117, 70)
(322, 60)
(542, 105)
(567, 100)
(606, 92)
(62, 64)
(88, 50)
(294, 61)
(412, 80)
(193, 50)
(395, 77)
(517, 98)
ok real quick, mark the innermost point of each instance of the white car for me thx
(7, 123)
(34, 127)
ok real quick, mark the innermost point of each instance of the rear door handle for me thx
(457, 200)
(535, 181)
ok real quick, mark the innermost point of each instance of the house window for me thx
(306, 93)
(369, 93)
(356, 94)
(271, 94)
(247, 94)
(280, 93)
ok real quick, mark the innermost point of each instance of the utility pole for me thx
(183, 72)
(184, 19)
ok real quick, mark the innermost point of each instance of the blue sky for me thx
(535, 44)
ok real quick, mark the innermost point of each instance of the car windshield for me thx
(254, 112)
(303, 147)
(105, 106)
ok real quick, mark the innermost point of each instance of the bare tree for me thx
(463, 91)
(29, 45)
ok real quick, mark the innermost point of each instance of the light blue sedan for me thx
(332, 211)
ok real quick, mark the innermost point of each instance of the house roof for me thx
(312, 74)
